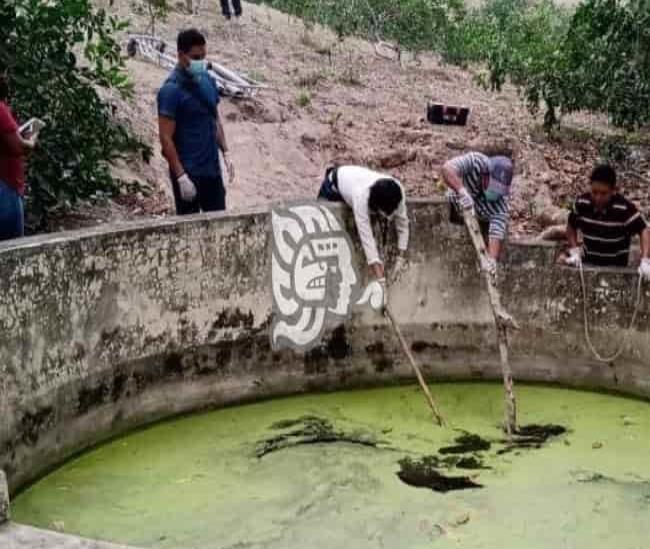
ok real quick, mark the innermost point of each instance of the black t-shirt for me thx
(606, 233)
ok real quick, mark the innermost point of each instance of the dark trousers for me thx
(11, 213)
(210, 196)
(225, 8)
(328, 190)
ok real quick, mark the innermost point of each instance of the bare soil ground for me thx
(340, 102)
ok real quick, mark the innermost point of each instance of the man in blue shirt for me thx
(190, 130)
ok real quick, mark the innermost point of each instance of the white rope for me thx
(637, 306)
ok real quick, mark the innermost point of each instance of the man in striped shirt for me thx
(482, 184)
(607, 221)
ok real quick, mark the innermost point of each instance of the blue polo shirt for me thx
(196, 128)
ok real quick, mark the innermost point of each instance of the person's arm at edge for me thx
(166, 130)
(368, 242)
(451, 176)
(17, 145)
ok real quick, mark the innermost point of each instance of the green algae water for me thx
(199, 481)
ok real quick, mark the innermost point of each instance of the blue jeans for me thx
(12, 223)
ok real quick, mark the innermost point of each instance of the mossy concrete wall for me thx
(105, 330)
(4, 498)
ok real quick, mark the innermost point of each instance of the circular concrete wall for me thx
(109, 329)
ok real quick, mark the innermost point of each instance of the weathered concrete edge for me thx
(17, 536)
(4, 498)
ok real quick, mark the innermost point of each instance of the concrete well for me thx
(110, 329)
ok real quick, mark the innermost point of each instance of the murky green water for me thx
(197, 483)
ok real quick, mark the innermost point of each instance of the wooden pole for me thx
(502, 321)
(416, 369)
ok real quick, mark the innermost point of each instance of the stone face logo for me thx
(313, 277)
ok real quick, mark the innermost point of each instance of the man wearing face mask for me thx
(190, 130)
(14, 147)
(482, 184)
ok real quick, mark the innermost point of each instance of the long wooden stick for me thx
(416, 369)
(502, 321)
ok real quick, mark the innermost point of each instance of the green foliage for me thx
(607, 60)
(597, 59)
(303, 99)
(415, 24)
(520, 42)
(50, 82)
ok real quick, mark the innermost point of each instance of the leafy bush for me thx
(60, 53)
(597, 59)
(416, 24)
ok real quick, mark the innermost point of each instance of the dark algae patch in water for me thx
(532, 436)
(333, 469)
(467, 453)
(422, 473)
(466, 444)
(309, 430)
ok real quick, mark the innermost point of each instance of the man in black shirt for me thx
(607, 221)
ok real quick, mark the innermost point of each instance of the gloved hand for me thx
(186, 188)
(489, 265)
(644, 269)
(464, 199)
(399, 268)
(574, 259)
(384, 293)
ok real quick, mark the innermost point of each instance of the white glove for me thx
(644, 269)
(489, 265)
(574, 259)
(399, 268)
(186, 188)
(464, 199)
(384, 293)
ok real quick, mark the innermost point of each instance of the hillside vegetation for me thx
(567, 88)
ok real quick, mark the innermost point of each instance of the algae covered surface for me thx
(323, 471)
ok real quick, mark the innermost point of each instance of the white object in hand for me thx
(489, 265)
(574, 259)
(186, 188)
(464, 199)
(644, 269)
(373, 295)
(382, 283)
(32, 127)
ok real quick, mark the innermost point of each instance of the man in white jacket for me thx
(368, 192)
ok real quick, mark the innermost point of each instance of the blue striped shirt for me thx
(471, 167)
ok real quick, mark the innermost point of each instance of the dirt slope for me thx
(332, 101)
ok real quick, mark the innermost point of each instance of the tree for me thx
(48, 80)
